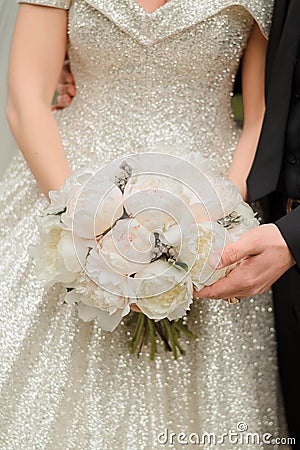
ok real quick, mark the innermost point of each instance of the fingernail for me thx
(214, 260)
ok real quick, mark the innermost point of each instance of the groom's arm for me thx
(289, 227)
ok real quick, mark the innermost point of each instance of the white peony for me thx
(125, 249)
(165, 291)
(216, 198)
(58, 257)
(94, 209)
(59, 199)
(96, 303)
(197, 160)
(196, 248)
(247, 221)
(156, 201)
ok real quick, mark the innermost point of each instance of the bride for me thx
(149, 76)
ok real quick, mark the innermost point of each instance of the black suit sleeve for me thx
(289, 227)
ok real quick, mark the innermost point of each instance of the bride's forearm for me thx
(253, 71)
(37, 56)
(244, 155)
(37, 135)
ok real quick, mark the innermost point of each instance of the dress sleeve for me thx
(62, 4)
(262, 13)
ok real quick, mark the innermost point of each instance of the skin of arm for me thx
(253, 75)
(37, 57)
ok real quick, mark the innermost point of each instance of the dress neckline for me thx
(155, 12)
(173, 16)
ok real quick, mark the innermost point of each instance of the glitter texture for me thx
(145, 82)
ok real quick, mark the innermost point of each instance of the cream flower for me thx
(156, 201)
(165, 291)
(247, 221)
(94, 209)
(58, 257)
(59, 199)
(126, 249)
(196, 248)
(96, 303)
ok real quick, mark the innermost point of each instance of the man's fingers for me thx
(63, 100)
(222, 289)
(231, 254)
(66, 76)
(63, 89)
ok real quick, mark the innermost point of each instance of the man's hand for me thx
(66, 89)
(262, 256)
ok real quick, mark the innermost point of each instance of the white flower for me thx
(197, 160)
(59, 199)
(156, 201)
(196, 248)
(96, 303)
(58, 257)
(215, 198)
(125, 249)
(165, 291)
(94, 209)
(247, 222)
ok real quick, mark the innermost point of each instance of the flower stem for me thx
(163, 336)
(153, 348)
(171, 337)
(138, 333)
(181, 327)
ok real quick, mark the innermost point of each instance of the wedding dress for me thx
(158, 81)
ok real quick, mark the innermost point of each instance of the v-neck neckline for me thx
(170, 18)
(157, 11)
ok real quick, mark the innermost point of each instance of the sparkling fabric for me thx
(159, 81)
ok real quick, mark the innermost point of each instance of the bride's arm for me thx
(253, 74)
(37, 56)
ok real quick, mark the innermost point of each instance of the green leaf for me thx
(182, 265)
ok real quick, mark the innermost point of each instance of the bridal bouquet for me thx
(139, 231)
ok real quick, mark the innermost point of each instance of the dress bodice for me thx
(160, 80)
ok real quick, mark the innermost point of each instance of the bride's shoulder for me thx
(63, 4)
(261, 11)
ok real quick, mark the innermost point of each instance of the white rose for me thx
(165, 291)
(125, 249)
(96, 303)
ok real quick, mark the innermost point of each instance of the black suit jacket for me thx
(266, 174)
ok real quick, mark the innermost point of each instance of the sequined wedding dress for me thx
(145, 81)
